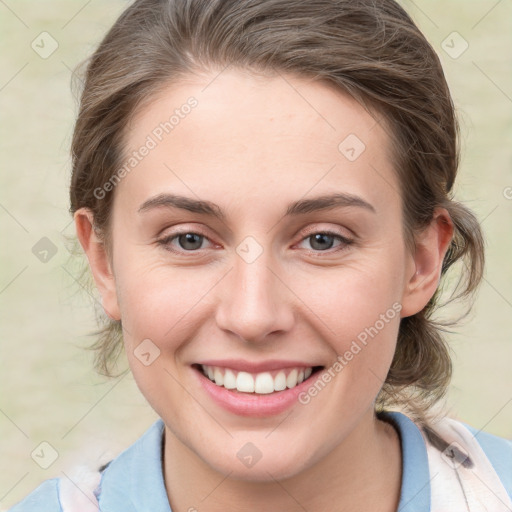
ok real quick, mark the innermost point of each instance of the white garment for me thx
(80, 498)
(462, 478)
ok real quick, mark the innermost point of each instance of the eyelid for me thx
(332, 231)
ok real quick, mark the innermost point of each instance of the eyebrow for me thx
(303, 206)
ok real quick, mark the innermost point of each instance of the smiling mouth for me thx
(262, 383)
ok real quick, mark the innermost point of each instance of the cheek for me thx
(354, 297)
(359, 306)
(160, 302)
(159, 311)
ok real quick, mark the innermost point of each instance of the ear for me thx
(431, 246)
(97, 256)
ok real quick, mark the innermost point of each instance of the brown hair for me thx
(368, 48)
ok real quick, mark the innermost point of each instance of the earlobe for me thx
(431, 246)
(99, 263)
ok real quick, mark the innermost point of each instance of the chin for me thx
(248, 463)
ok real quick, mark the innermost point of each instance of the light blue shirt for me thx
(133, 481)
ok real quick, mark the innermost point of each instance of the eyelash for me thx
(345, 242)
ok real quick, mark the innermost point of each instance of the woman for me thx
(263, 191)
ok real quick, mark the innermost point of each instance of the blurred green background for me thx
(49, 391)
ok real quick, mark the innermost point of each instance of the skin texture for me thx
(253, 145)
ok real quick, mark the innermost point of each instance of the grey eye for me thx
(190, 241)
(321, 241)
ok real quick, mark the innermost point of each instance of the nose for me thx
(255, 301)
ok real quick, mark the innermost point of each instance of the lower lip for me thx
(252, 404)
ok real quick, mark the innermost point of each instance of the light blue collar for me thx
(415, 490)
(133, 481)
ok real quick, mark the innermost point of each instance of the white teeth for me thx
(229, 380)
(245, 382)
(264, 383)
(291, 380)
(261, 383)
(218, 376)
(280, 381)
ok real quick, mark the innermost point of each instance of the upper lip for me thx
(255, 367)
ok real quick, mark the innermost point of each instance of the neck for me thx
(362, 473)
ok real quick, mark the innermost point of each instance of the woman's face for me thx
(273, 281)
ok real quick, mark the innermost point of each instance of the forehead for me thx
(234, 134)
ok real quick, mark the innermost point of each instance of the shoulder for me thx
(76, 492)
(499, 452)
(448, 462)
(45, 497)
(116, 485)
(481, 460)
(490, 442)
